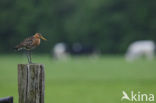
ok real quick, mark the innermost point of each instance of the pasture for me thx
(83, 79)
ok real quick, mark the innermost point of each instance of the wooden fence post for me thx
(31, 83)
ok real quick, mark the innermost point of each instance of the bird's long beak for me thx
(43, 38)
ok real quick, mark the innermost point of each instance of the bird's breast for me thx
(36, 42)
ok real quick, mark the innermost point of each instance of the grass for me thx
(83, 79)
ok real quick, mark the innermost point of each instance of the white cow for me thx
(140, 48)
(60, 51)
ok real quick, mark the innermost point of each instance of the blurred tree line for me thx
(108, 25)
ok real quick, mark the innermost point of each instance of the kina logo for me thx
(137, 96)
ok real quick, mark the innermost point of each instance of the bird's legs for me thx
(27, 53)
(29, 56)
(30, 62)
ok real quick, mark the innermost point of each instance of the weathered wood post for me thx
(31, 83)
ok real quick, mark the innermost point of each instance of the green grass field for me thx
(83, 79)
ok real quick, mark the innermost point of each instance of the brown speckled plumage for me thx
(29, 43)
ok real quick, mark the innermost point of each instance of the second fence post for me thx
(31, 83)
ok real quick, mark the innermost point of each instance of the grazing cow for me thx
(60, 51)
(140, 48)
(80, 49)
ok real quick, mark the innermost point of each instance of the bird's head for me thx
(39, 36)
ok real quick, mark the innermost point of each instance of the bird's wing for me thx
(27, 42)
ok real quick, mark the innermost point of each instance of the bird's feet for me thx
(30, 62)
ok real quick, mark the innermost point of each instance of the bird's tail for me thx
(18, 48)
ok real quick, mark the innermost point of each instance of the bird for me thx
(30, 43)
